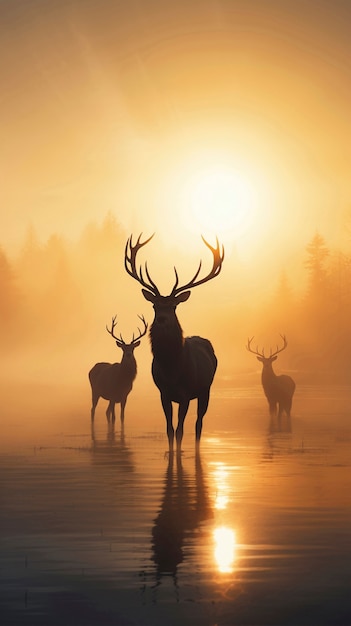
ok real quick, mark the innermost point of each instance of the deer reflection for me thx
(279, 425)
(279, 438)
(111, 452)
(184, 506)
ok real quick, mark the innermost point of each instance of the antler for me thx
(218, 256)
(113, 326)
(280, 349)
(248, 347)
(141, 333)
(130, 266)
(120, 339)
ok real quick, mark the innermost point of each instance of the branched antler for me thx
(261, 354)
(131, 252)
(218, 256)
(120, 341)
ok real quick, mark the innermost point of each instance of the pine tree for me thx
(315, 263)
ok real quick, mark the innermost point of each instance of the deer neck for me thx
(129, 367)
(167, 345)
(268, 375)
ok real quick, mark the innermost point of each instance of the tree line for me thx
(57, 293)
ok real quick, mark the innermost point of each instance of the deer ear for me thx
(148, 295)
(274, 358)
(137, 343)
(259, 358)
(183, 297)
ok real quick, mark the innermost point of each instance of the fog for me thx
(113, 117)
(59, 295)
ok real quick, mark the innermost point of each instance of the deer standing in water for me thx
(279, 390)
(183, 368)
(114, 381)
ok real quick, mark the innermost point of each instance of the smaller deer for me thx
(278, 389)
(114, 381)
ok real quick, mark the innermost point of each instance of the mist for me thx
(58, 295)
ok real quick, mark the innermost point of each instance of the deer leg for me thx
(202, 405)
(273, 408)
(94, 401)
(288, 407)
(109, 410)
(279, 415)
(182, 411)
(123, 404)
(113, 413)
(168, 411)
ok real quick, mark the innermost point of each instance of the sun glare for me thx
(212, 194)
(219, 200)
(225, 548)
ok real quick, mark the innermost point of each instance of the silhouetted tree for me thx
(103, 239)
(9, 295)
(326, 308)
(317, 255)
(62, 304)
(29, 264)
(98, 259)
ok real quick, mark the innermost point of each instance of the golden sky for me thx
(216, 116)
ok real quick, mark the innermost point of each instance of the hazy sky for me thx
(214, 116)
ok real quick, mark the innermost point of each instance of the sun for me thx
(219, 200)
(210, 193)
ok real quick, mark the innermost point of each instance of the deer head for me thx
(165, 306)
(266, 360)
(128, 348)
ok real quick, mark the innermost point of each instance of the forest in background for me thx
(57, 296)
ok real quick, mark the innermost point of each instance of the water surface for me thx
(100, 526)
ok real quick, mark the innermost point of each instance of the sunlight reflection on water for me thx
(108, 520)
(225, 544)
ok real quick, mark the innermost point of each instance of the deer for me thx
(114, 381)
(279, 390)
(183, 369)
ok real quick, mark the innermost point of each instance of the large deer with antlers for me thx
(183, 368)
(114, 381)
(279, 390)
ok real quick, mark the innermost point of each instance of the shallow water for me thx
(102, 527)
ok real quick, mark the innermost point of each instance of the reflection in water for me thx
(220, 475)
(280, 424)
(279, 439)
(225, 545)
(185, 504)
(224, 537)
(78, 523)
(111, 452)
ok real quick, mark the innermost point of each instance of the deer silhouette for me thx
(184, 507)
(183, 368)
(111, 454)
(279, 390)
(114, 381)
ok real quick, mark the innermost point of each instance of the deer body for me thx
(186, 376)
(114, 381)
(181, 376)
(279, 390)
(182, 369)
